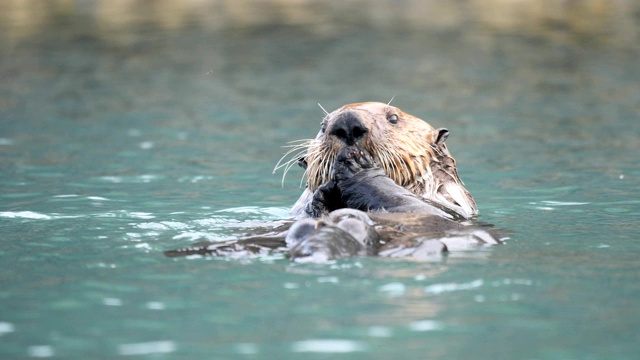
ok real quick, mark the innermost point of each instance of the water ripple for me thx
(564, 203)
(246, 348)
(379, 331)
(394, 289)
(41, 351)
(131, 179)
(328, 346)
(6, 327)
(145, 348)
(425, 325)
(31, 215)
(447, 287)
(24, 215)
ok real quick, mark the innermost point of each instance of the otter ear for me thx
(302, 162)
(443, 134)
(438, 136)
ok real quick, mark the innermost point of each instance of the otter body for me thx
(379, 182)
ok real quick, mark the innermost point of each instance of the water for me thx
(129, 128)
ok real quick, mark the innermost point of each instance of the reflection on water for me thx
(132, 127)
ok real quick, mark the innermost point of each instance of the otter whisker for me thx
(319, 165)
(281, 164)
(299, 147)
(293, 149)
(290, 164)
(296, 147)
(294, 159)
(384, 158)
(300, 140)
(323, 109)
(392, 163)
(303, 177)
(393, 97)
(328, 169)
(298, 151)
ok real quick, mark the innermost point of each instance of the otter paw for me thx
(350, 161)
(325, 199)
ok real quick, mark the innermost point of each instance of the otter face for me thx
(409, 150)
(362, 123)
(401, 144)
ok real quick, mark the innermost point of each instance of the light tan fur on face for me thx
(407, 151)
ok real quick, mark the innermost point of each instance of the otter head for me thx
(409, 150)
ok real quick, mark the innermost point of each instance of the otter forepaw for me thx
(325, 199)
(315, 208)
(350, 161)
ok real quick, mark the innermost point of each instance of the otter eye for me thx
(323, 128)
(393, 119)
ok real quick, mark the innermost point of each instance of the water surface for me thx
(129, 128)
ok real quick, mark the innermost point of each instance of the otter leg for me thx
(325, 199)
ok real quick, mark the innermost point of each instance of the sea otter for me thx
(379, 182)
(411, 152)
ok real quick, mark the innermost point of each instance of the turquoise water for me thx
(129, 128)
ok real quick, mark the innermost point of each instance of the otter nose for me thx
(348, 128)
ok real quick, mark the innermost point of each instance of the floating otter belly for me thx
(369, 162)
